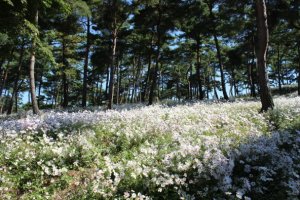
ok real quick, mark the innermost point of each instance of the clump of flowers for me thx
(192, 151)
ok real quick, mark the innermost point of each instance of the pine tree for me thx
(263, 39)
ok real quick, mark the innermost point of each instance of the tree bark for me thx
(112, 71)
(107, 82)
(147, 79)
(234, 83)
(263, 39)
(215, 89)
(65, 101)
(219, 56)
(198, 70)
(35, 107)
(221, 67)
(1, 69)
(118, 84)
(86, 64)
(40, 88)
(153, 87)
(207, 82)
(5, 73)
(298, 47)
(3, 83)
(279, 68)
(251, 71)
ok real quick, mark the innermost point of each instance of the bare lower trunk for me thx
(107, 82)
(35, 107)
(198, 71)
(1, 64)
(5, 73)
(221, 67)
(298, 47)
(188, 77)
(252, 71)
(154, 74)
(279, 68)
(65, 83)
(215, 89)
(86, 64)
(207, 82)
(112, 72)
(3, 83)
(100, 92)
(146, 82)
(263, 39)
(118, 84)
(219, 56)
(234, 83)
(153, 88)
(40, 89)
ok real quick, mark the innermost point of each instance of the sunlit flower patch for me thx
(191, 151)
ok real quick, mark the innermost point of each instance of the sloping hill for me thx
(194, 151)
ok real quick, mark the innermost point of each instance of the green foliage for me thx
(282, 120)
(150, 34)
(9, 2)
(3, 39)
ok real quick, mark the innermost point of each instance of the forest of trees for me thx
(63, 53)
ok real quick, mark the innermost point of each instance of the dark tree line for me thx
(89, 53)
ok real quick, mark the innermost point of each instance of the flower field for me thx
(192, 151)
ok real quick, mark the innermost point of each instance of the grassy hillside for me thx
(195, 151)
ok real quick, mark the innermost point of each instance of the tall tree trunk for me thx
(137, 79)
(135, 75)
(35, 107)
(279, 67)
(1, 69)
(16, 81)
(112, 71)
(65, 83)
(198, 70)
(159, 86)
(120, 79)
(190, 82)
(16, 102)
(251, 78)
(221, 67)
(86, 64)
(4, 72)
(298, 47)
(40, 88)
(207, 82)
(153, 88)
(94, 79)
(234, 83)
(107, 82)
(118, 84)
(252, 73)
(263, 39)
(3, 83)
(100, 92)
(219, 56)
(154, 75)
(147, 79)
(215, 86)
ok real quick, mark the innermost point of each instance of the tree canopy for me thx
(96, 52)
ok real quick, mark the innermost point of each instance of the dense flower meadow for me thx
(191, 151)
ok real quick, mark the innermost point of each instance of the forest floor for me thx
(190, 151)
